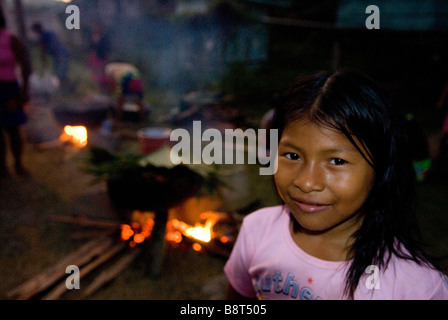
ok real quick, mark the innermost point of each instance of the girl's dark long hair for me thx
(354, 104)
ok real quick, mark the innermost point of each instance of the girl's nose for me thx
(310, 178)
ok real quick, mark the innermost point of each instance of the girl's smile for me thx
(322, 178)
(310, 206)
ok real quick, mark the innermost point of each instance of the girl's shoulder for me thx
(413, 280)
(265, 222)
(266, 216)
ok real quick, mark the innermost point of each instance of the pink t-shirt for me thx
(266, 263)
(7, 58)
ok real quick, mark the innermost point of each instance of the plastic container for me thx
(153, 138)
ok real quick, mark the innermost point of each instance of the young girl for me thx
(345, 230)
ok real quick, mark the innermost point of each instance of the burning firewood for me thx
(214, 233)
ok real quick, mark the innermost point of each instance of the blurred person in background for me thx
(126, 82)
(50, 45)
(13, 96)
(99, 52)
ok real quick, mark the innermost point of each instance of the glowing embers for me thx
(139, 229)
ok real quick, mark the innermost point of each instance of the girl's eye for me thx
(338, 161)
(292, 156)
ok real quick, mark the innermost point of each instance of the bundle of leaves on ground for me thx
(150, 182)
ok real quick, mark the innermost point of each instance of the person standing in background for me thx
(13, 96)
(50, 45)
(98, 56)
(126, 82)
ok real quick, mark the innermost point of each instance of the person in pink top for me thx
(346, 228)
(12, 97)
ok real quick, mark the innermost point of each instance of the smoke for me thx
(177, 50)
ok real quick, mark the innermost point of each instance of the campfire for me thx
(217, 229)
(119, 244)
(205, 233)
(75, 134)
(154, 202)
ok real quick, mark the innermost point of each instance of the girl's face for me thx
(321, 176)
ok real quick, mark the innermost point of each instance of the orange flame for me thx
(75, 134)
(201, 232)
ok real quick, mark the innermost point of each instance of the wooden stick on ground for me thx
(90, 234)
(49, 276)
(61, 288)
(86, 222)
(111, 272)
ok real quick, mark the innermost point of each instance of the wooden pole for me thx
(86, 222)
(20, 21)
(155, 245)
